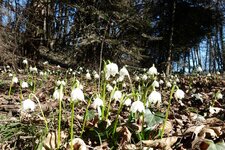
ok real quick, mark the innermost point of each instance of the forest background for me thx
(175, 35)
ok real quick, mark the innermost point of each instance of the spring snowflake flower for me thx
(136, 78)
(25, 61)
(58, 83)
(144, 77)
(10, 75)
(41, 73)
(120, 79)
(58, 94)
(33, 69)
(117, 95)
(161, 81)
(97, 102)
(88, 76)
(152, 70)
(111, 70)
(219, 95)
(124, 72)
(155, 84)
(155, 98)
(109, 87)
(127, 102)
(137, 106)
(15, 80)
(24, 84)
(199, 69)
(28, 104)
(179, 94)
(45, 63)
(77, 95)
(96, 76)
(168, 84)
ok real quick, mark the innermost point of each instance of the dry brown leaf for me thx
(125, 135)
(164, 143)
(78, 144)
(50, 142)
(168, 127)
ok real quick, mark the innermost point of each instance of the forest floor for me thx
(194, 122)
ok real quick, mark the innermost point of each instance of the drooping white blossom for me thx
(152, 70)
(77, 95)
(155, 84)
(24, 84)
(88, 76)
(117, 95)
(137, 106)
(58, 94)
(25, 61)
(15, 80)
(28, 105)
(111, 70)
(179, 94)
(155, 98)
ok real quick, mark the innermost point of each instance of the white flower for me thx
(155, 84)
(111, 70)
(124, 72)
(218, 72)
(41, 73)
(155, 97)
(124, 85)
(136, 78)
(33, 69)
(168, 84)
(219, 95)
(179, 94)
(137, 106)
(15, 80)
(97, 102)
(24, 84)
(88, 76)
(58, 66)
(7, 66)
(77, 94)
(28, 104)
(209, 75)
(58, 83)
(96, 76)
(10, 75)
(114, 82)
(58, 94)
(25, 62)
(127, 102)
(152, 70)
(161, 81)
(199, 69)
(144, 77)
(117, 95)
(109, 87)
(45, 63)
(120, 79)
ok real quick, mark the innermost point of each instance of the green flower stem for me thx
(85, 117)
(109, 103)
(60, 117)
(117, 117)
(71, 128)
(167, 111)
(10, 88)
(42, 113)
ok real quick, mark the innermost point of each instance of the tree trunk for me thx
(169, 58)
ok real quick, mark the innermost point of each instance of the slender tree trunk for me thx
(222, 47)
(169, 58)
